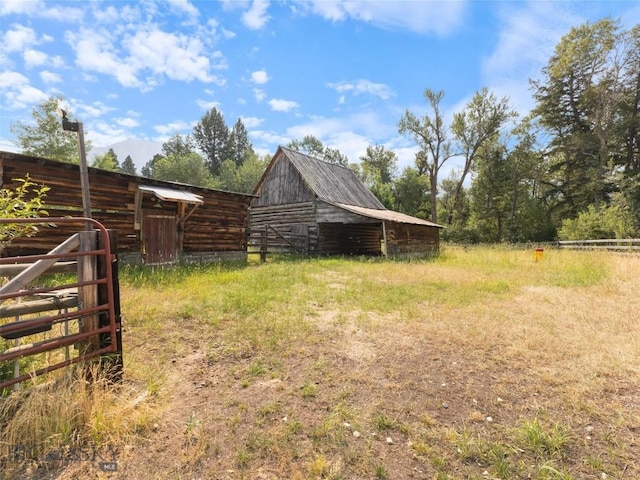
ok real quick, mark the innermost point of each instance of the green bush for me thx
(608, 222)
(23, 202)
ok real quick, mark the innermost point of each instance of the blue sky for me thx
(342, 71)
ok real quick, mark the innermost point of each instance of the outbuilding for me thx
(156, 222)
(309, 206)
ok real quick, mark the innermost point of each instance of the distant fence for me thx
(618, 245)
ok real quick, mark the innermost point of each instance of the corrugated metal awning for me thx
(171, 195)
(387, 215)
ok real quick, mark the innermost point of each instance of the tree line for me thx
(569, 169)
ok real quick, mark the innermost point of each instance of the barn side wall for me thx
(293, 221)
(215, 229)
(411, 240)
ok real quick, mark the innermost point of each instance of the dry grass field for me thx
(480, 364)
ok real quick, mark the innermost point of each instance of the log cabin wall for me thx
(289, 221)
(411, 240)
(216, 230)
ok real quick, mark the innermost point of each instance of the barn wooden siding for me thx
(295, 222)
(404, 239)
(215, 230)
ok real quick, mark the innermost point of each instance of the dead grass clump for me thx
(71, 413)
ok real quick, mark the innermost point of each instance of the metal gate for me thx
(46, 325)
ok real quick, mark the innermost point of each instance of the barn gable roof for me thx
(330, 182)
(338, 186)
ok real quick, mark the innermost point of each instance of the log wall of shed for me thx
(286, 220)
(218, 225)
(407, 240)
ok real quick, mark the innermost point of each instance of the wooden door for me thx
(159, 236)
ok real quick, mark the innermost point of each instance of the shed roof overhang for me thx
(387, 215)
(171, 195)
(181, 197)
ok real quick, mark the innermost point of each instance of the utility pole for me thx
(69, 126)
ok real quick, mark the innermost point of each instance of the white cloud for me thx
(172, 127)
(149, 51)
(94, 110)
(37, 8)
(57, 61)
(207, 104)
(95, 52)
(256, 17)
(103, 134)
(529, 32)
(50, 77)
(8, 7)
(364, 87)
(179, 57)
(280, 105)
(17, 92)
(109, 14)
(351, 134)
(127, 122)
(228, 33)
(8, 146)
(184, 6)
(252, 122)
(259, 77)
(422, 17)
(18, 39)
(259, 95)
(270, 138)
(34, 58)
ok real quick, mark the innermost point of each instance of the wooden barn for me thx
(309, 206)
(156, 222)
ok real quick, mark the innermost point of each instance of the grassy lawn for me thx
(479, 364)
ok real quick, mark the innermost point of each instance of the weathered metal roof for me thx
(387, 215)
(171, 195)
(331, 182)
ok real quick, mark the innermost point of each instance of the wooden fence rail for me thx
(615, 244)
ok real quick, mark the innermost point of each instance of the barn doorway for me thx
(159, 237)
(160, 217)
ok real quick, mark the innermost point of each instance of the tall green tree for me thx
(378, 168)
(45, 137)
(178, 145)
(411, 194)
(431, 135)
(128, 166)
(188, 168)
(243, 178)
(476, 126)
(148, 170)
(211, 136)
(579, 100)
(107, 161)
(239, 143)
(314, 147)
